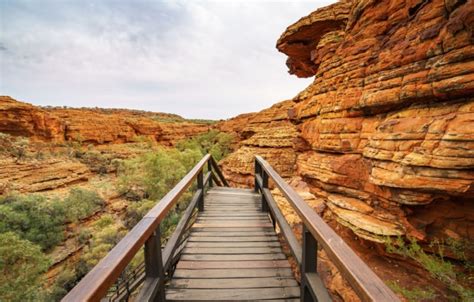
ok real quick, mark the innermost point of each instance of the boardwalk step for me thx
(232, 253)
(233, 264)
(233, 244)
(232, 239)
(231, 294)
(233, 283)
(231, 250)
(233, 273)
(233, 257)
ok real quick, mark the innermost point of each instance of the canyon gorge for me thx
(380, 144)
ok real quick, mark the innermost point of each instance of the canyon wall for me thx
(93, 126)
(385, 133)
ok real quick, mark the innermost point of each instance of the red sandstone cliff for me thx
(384, 135)
(95, 126)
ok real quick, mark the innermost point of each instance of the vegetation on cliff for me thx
(46, 224)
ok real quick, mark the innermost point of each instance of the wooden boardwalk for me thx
(233, 253)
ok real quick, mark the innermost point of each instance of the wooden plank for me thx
(232, 195)
(233, 224)
(233, 244)
(252, 214)
(231, 234)
(226, 212)
(233, 239)
(232, 257)
(237, 205)
(233, 283)
(234, 273)
(231, 250)
(266, 230)
(223, 190)
(230, 294)
(236, 229)
(233, 264)
(234, 220)
(233, 208)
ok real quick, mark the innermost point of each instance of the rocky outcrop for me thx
(174, 132)
(37, 176)
(388, 123)
(93, 126)
(269, 134)
(96, 127)
(301, 39)
(385, 133)
(21, 119)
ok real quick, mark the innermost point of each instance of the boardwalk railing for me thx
(95, 285)
(363, 280)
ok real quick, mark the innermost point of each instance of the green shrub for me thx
(153, 174)
(33, 218)
(136, 211)
(81, 203)
(438, 266)
(83, 236)
(415, 294)
(218, 144)
(22, 264)
(106, 233)
(64, 282)
(14, 146)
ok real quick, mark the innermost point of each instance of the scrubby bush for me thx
(22, 264)
(414, 294)
(81, 203)
(42, 221)
(218, 144)
(106, 233)
(64, 282)
(152, 175)
(13, 145)
(34, 218)
(136, 211)
(437, 265)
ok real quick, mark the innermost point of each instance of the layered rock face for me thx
(94, 126)
(23, 119)
(385, 133)
(37, 176)
(268, 133)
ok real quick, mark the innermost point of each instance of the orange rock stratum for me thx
(93, 126)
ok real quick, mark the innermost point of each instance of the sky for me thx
(198, 59)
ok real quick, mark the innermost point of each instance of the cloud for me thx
(206, 59)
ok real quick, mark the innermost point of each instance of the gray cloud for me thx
(206, 59)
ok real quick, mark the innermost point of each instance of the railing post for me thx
(200, 185)
(154, 263)
(257, 172)
(209, 168)
(308, 263)
(264, 186)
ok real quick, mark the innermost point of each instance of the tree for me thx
(33, 218)
(22, 264)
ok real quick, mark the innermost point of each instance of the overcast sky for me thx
(199, 59)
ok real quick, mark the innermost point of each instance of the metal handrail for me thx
(363, 280)
(146, 232)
